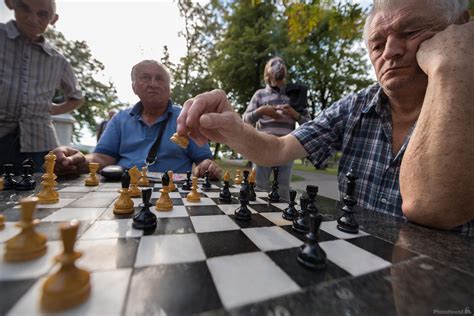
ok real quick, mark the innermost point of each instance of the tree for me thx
(191, 76)
(253, 33)
(327, 51)
(99, 97)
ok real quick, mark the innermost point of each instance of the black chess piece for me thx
(26, 182)
(290, 212)
(274, 196)
(165, 179)
(145, 219)
(300, 223)
(187, 183)
(347, 222)
(206, 184)
(31, 163)
(312, 191)
(9, 181)
(125, 179)
(243, 213)
(225, 196)
(252, 194)
(311, 255)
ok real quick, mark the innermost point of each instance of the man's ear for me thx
(9, 4)
(464, 17)
(133, 88)
(54, 19)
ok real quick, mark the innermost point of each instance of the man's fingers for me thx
(181, 128)
(76, 159)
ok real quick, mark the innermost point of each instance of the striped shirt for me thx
(29, 75)
(279, 127)
(359, 126)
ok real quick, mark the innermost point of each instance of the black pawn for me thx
(243, 213)
(145, 219)
(26, 182)
(187, 183)
(312, 191)
(274, 196)
(311, 255)
(225, 196)
(347, 222)
(206, 184)
(30, 162)
(300, 223)
(290, 212)
(9, 182)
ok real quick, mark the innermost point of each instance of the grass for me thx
(233, 165)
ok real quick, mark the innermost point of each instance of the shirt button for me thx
(383, 200)
(390, 169)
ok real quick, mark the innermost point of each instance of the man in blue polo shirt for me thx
(129, 136)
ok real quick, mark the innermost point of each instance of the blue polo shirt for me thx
(128, 139)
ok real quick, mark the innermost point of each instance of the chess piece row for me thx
(23, 183)
(69, 286)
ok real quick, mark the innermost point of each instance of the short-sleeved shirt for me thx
(30, 73)
(274, 97)
(360, 126)
(128, 139)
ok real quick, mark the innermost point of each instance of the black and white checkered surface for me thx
(198, 259)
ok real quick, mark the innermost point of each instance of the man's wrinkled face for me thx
(151, 84)
(394, 37)
(33, 16)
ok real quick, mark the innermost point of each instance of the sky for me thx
(120, 33)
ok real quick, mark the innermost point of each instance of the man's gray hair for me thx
(450, 9)
(10, 3)
(148, 62)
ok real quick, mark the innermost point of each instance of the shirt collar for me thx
(377, 101)
(13, 32)
(138, 108)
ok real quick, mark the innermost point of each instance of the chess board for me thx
(199, 259)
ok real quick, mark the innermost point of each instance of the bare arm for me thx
(438, 166)
(67, 106)
(210, 116)
(72, 161)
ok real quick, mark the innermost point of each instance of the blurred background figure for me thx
(103, 124)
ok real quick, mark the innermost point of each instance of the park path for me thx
(327, 183)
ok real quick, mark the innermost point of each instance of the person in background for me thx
(30, 72)
(271, 111)
(103, 124)
(131, 133)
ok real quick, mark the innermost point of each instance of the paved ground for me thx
(327, 183)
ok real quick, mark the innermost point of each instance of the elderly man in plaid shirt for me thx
(409, 138)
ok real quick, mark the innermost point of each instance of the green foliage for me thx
(99, 97)
(253, 33)
(327, 51)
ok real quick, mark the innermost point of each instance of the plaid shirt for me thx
(29, 75)
(359, 126)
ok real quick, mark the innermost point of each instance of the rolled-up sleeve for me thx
(69, 83)
(323, 136)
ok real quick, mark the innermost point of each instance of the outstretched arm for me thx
(209, 116)
(437, 171)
